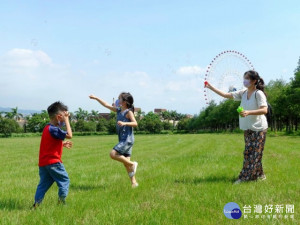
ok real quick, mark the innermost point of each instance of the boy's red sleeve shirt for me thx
(51, 146)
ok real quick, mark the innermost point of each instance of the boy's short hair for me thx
(54, 108)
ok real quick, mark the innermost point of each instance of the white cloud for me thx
(174, 86)
(26, 58)
(31, 80)
(190, 70)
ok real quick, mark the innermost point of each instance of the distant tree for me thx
(111, 126)
(13, 114)
(37, 122)
(298, 67)
(79, 125)
(294, 98)
(90, 126)
(93, 116)
(16, 115)
(175, 116)
(151, 123)
(165, 115)
(9, 115)
(81, 114)
(102, 125)
(113, 115)
(166, 125)
(183, 124)
(9, 126)
(277, 98)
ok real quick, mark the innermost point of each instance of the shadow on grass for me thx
(83, 187)
(211, 179)
(10, 204)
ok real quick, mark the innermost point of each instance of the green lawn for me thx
(184, 179)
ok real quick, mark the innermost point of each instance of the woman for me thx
(253, 121)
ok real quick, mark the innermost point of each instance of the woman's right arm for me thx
(219, 92)
(105, 104)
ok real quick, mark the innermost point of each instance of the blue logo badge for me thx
(232, 211)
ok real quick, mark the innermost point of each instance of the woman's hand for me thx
(207, 85)
(261, 111)
(217, 91)
(245, 113)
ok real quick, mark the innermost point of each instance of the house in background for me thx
(158, 111)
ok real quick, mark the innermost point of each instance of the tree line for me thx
(84, 121)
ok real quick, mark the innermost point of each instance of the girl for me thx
(254, 123)
(125, 123)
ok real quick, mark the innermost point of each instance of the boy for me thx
(51, 168)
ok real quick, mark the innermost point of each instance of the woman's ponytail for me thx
(260, 85)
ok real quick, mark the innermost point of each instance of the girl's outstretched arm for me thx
(132, 122)
(217, 91)
(105, 104)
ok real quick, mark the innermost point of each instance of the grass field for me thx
(184, 179)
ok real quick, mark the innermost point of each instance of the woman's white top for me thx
(252, 122)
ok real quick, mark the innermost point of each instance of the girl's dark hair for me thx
(54, 108)
(260, 84)
(127, 97)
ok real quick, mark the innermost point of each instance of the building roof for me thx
(159, 110)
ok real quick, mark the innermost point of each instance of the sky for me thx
(156, 50)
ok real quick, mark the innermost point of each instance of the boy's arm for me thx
(68, 126)
(132, 122)
(105, 104)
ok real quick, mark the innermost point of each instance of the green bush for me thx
(151, 123)
(9, 126)
(37, 122)
(183, 124)
(111, 126)
(167, 125)
(102, 125)
(90, 126)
